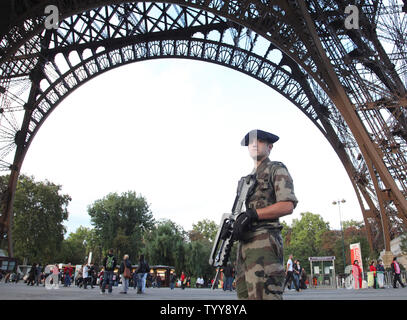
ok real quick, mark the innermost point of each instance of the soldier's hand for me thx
(243, 223)
(226, 232)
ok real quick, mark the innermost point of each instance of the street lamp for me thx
(86, 249)
(340, 220)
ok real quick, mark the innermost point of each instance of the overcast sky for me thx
(171, 130)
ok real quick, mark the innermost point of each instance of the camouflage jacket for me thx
(273, 184)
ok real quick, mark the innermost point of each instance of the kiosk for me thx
(322, 272)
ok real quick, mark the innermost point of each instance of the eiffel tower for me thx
(343, 64)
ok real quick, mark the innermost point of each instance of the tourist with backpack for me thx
(109, 264)
(142, 270)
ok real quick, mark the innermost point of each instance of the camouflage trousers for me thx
(260, 269)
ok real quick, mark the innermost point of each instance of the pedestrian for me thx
(109, 264)
(142, 270)
(67, 275)
(379, 265)
(289, 274)
(183, 280)
(31, 275)
(380, 273)
(79, 277)
(38, 271)
(55, 276)
(357, 274)
(372, 268)
(297, 274)
(228, 276)
(158, 281)
(85, 276)
(303, 284)
(202, 281)
(91, 274)
(125, 271)
(135, 280)
(395, 268)
(116, 279)
(173, 278)
(260, 262)
(100, 278)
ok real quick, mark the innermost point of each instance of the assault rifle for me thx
(222, 247)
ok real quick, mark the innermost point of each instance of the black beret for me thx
(259, 134)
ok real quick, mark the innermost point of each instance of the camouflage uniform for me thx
(260, 269)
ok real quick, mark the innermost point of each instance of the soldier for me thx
(260, 270)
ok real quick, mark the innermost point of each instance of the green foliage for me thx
(206, 228)
(352, 223)
(311, 236)
(165, 244)
(306, 236)
(120, 222)
(197, 259)
(74, 248)
(286, 234)
(39, 213)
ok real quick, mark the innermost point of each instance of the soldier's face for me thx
(259, 149)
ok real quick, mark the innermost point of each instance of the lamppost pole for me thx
(340, 221)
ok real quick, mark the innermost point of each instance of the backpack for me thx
(126, 272)
(110, 262)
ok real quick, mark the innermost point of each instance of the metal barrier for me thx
(347, 281)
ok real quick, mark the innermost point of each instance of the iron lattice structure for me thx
(351, 83)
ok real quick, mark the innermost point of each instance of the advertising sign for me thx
(356, 254)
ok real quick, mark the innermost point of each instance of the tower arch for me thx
(319, 71)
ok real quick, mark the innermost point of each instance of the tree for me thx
(356, 232)
(123, 245)
(199, 249)
(74, 248)
(165, 244)
(39, 212)
(120, 222)
(329, 242)
(306, 236)
(352, 223)
(206, 229)
(286, 232)
(197, 262)
(94, 246)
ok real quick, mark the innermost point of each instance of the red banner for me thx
(356, 254)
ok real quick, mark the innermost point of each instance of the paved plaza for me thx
(20, 291)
